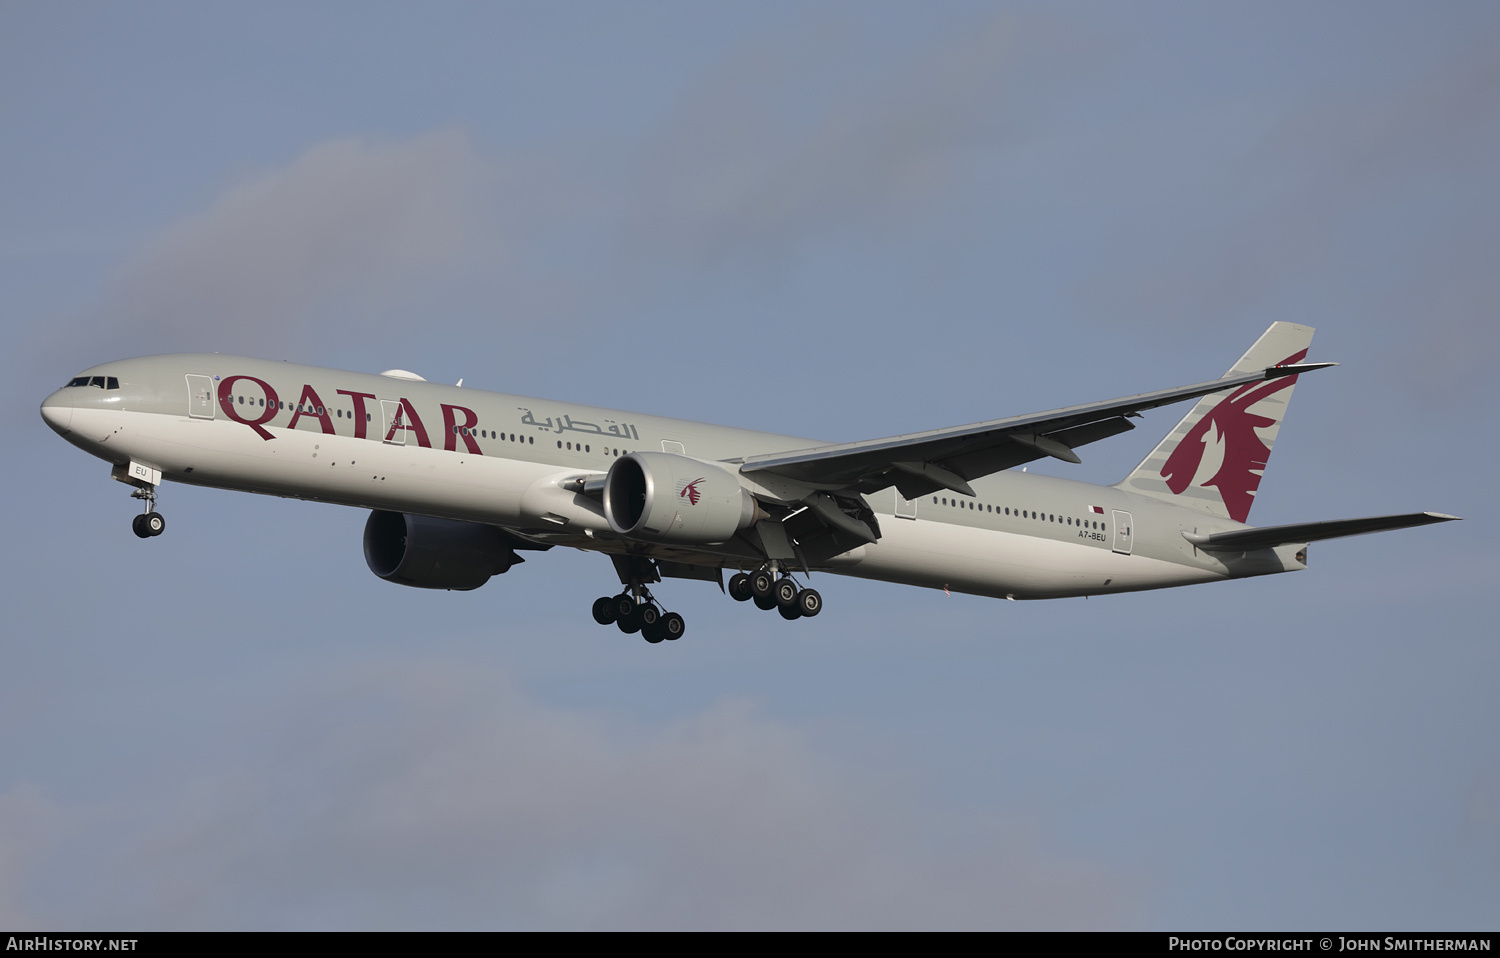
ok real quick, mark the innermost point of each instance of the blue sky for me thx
(834, 220)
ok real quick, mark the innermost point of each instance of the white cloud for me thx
(433, 796)
(346, 219)
(348, 238)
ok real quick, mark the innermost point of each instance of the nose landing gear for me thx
(150, 523)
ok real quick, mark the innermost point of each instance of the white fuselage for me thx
(410, 446)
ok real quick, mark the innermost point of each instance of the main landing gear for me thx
(639, 613)
(769, 592)
(636, 610)
(150, 523)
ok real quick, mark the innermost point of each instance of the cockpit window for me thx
(103, 382)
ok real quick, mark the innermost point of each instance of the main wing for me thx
(921, 463)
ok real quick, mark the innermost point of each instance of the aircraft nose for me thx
(57, 411)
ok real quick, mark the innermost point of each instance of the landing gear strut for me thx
(769, 592)
(150, 523)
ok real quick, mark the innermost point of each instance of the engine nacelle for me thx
(667, 498)
(435, 553)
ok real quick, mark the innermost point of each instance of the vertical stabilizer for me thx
(1214, 458)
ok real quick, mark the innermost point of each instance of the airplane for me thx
(459, 481)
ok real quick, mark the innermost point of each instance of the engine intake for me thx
(668, 498)
(432, 553)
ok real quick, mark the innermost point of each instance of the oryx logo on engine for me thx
(689, 491)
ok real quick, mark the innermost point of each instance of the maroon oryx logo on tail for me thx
(689, 491)
(1245, 454)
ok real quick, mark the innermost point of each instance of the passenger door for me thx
(1124, 534)
(200, 397)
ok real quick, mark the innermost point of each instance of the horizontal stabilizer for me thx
(1243, 540)
(1295, 369)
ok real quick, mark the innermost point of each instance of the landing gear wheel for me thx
(624, 606)
(604, 610)
(629, 624)
(765, 602)
(761, 585)
(649, 615)
(672, 626)
(786, 593)
(155, 524)
(739, 587)
(653, 633)
(809, 603)
(138, 526)
(789, 611)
